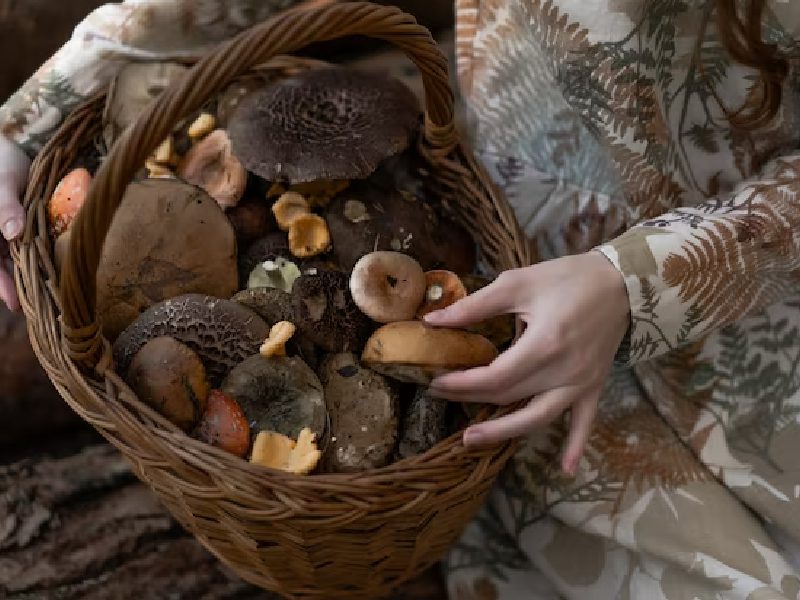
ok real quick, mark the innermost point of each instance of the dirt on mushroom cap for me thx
(332, 123)
(364, 411)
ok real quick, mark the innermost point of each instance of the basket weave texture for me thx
(323, 536)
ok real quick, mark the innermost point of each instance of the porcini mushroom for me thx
(413, 352)
(222, 332)
(224, 425)
(326, 314)
(388, 286)
(278, 394)
(67, 200)
(170, 377)
(442, 288)
(167, 238)
(364, 409)
(331, 123)
(211, 165)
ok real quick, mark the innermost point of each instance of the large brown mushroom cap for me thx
(369, 217)
(326, 314)
(167, 238)
(331, 123)
(222, 332)
(414, 352)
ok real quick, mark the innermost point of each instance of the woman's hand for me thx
(14, 166)
(576, 312)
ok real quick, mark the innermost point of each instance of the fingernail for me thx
(12, 228)
(473, 437)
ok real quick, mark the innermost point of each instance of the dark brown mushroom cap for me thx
(274, 305)
(331, 123)
(222, 332)
(368, 217)
(424, 424)
(326, 313)
(271, 304)
(278, 394)
(167, 238)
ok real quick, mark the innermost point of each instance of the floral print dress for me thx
(604, 123)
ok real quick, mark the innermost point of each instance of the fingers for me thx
(8, 291)
(12, 215)
(580, 428)
(483, 384)
(497, 298)
(539, 412)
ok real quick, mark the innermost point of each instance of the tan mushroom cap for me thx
(388, 286)
(211, 165)
(415, 352)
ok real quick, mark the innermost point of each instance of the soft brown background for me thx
(74, 522)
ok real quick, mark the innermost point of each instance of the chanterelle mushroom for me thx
(167, 238)
(412, 351)
(332, 123)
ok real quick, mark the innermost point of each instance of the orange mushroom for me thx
(67, 200)
(224, 425)
(309, 236)
(442, 288)
(288, 207)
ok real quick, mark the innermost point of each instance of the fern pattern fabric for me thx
(604, 123)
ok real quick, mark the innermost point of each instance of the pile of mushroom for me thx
(265, 279)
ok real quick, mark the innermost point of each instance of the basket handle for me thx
(282, 34)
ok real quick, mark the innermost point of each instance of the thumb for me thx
(497, 298)
(12, 215)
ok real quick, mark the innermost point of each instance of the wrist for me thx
(613, 291)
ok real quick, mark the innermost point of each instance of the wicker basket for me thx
(323, 536)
